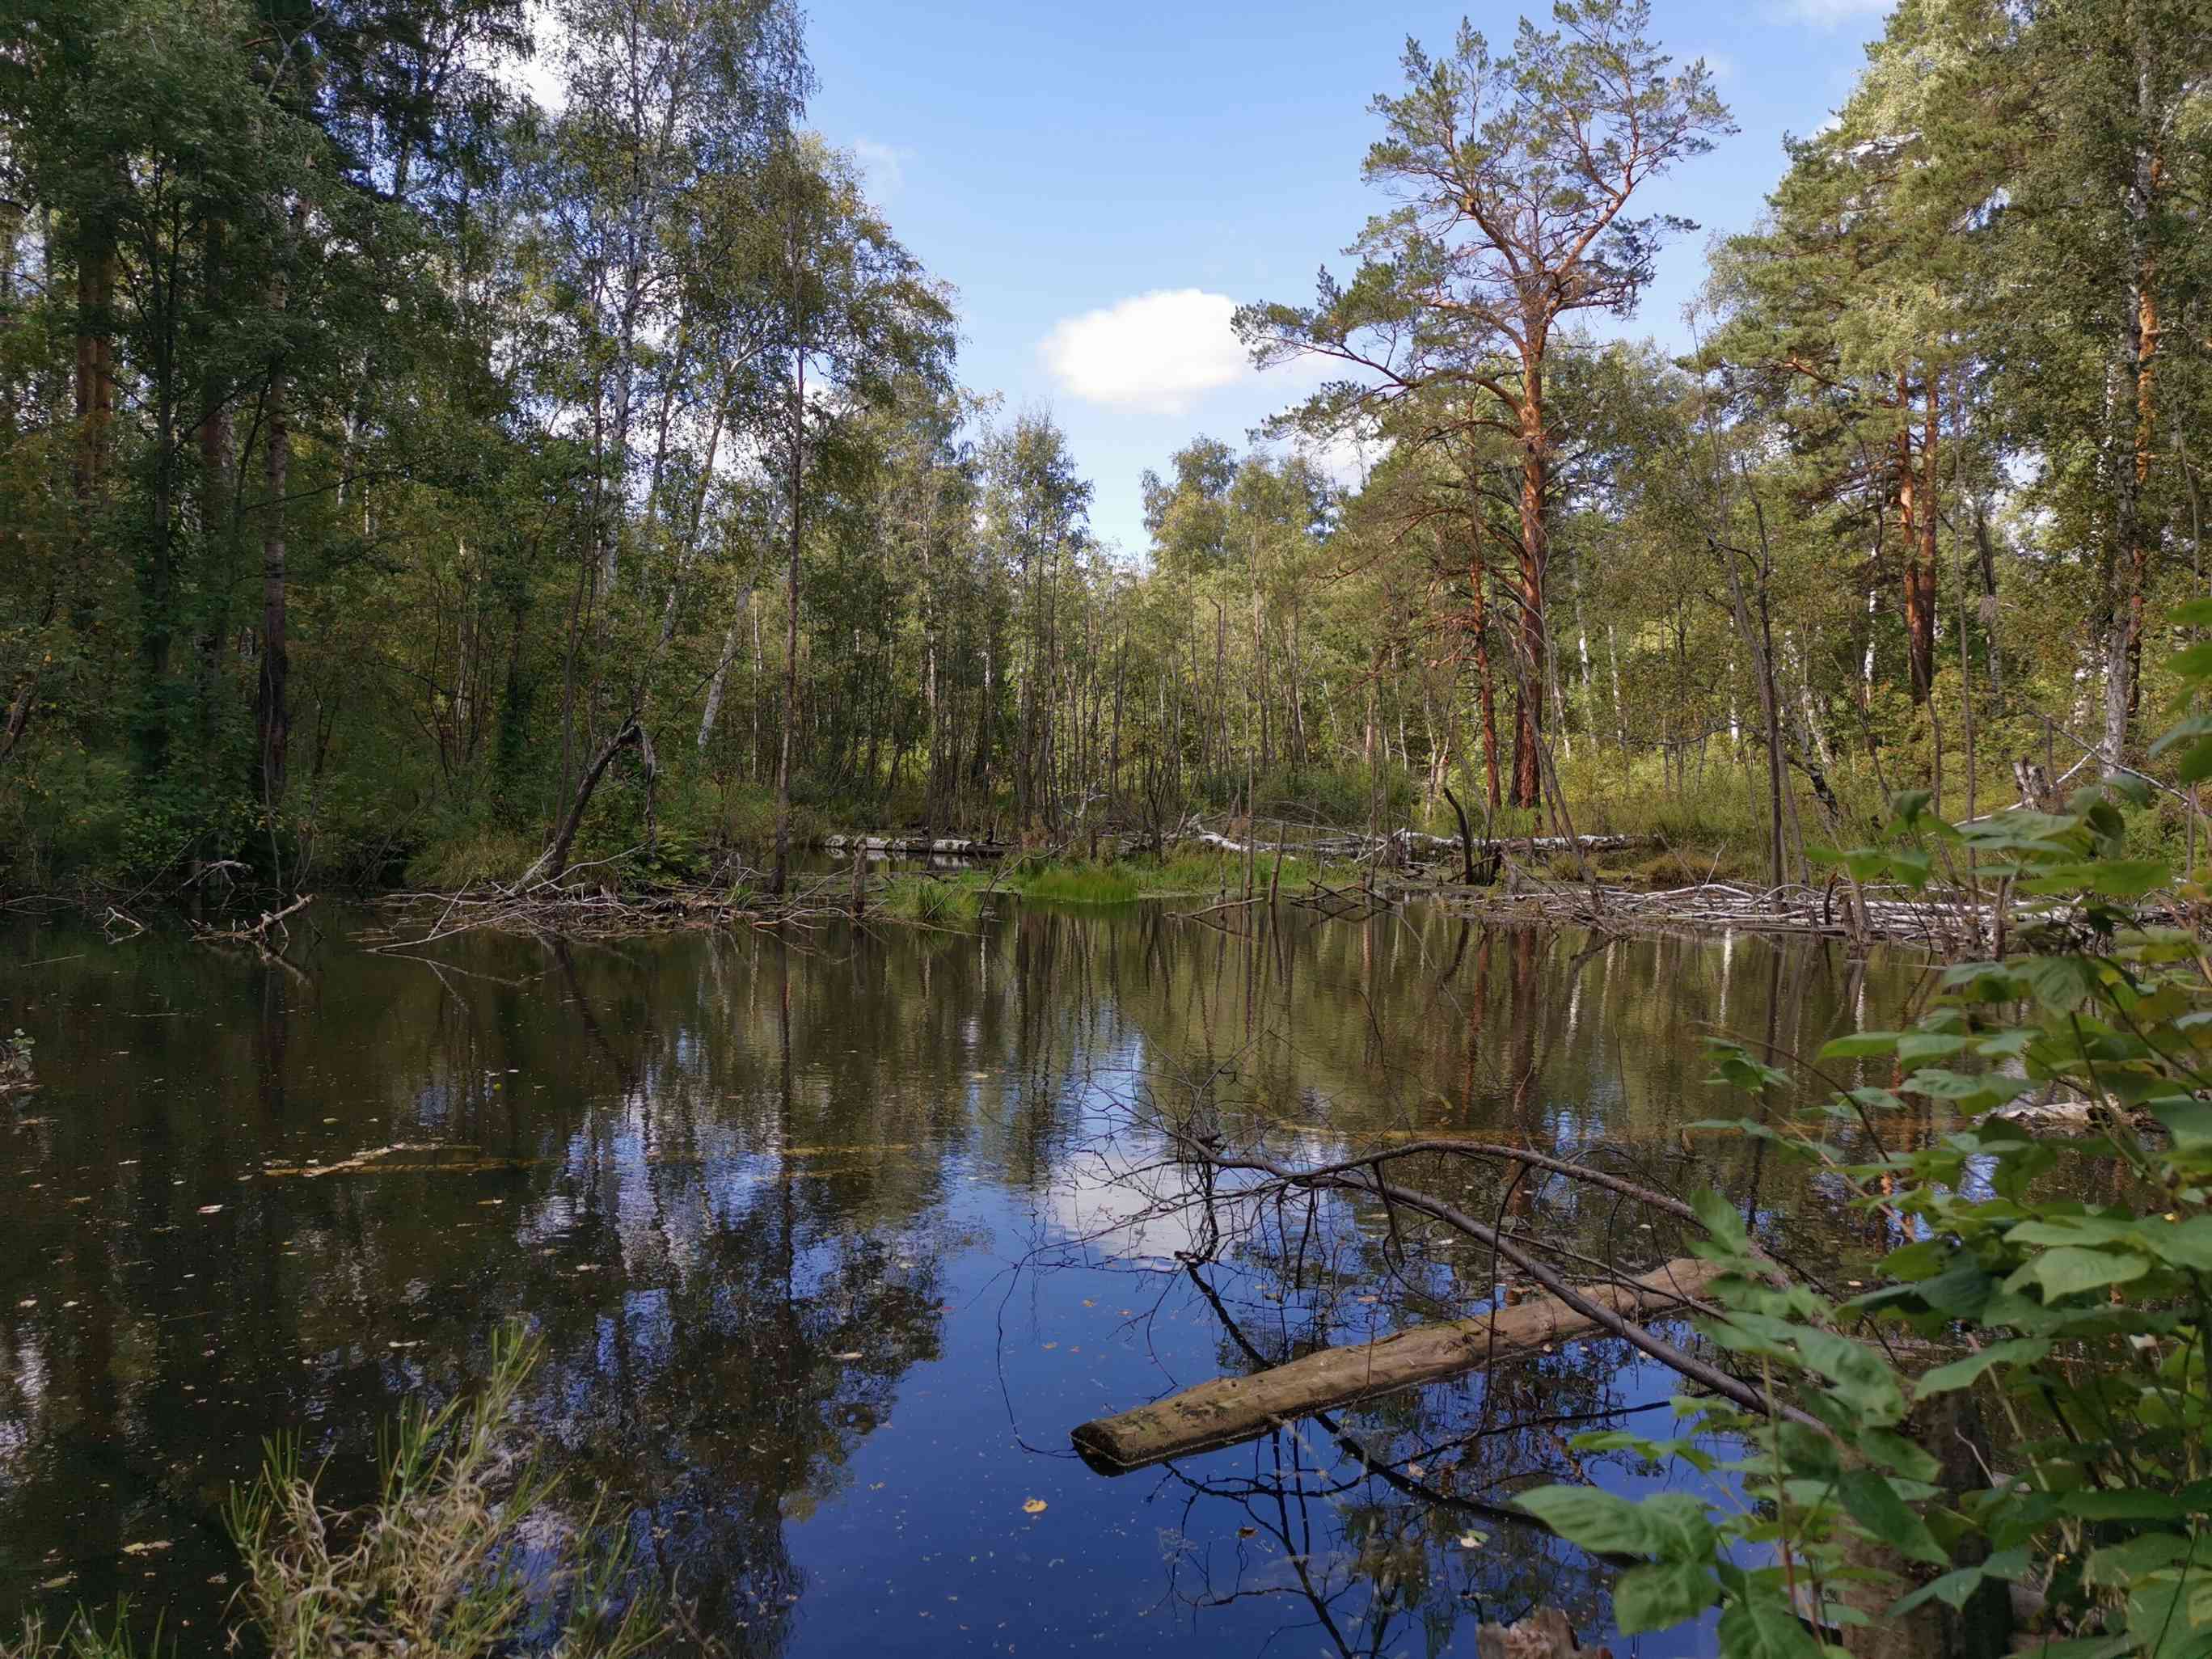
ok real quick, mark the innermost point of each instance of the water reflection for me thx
(816, 1236)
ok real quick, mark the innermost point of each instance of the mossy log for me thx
(1233, 1408)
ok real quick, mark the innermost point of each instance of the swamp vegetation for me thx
(413, 478)
(550, 515)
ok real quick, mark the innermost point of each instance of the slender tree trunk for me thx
(95, 353)
(1613, 656)
(782, 872)
(274, 718)
(733, 641)
(555, 862)
(1532, 649)
(1917, 508)
(1485, 684)
(2132, 538)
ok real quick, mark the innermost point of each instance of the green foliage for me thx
(2071, 1277)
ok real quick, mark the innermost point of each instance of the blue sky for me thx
(1056, 161)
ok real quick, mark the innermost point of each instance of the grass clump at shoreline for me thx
(1189, 873)
(459, 1557)
(938, 900)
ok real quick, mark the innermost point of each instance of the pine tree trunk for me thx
(1531, 647)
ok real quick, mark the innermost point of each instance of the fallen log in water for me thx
(1232, 1408)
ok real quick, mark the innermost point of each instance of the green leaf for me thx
(2070, 1270)
(2184, 1243)
(2114, 878)
(1953, 1588)
(2116, 1566)
(1873, 1504)
(1721, 1218)
(1861, 1377)
(2188, 1121)
(1859, 1044)
(1915, 1046)
(2071, 1230)
(2161, 1617)
(1655, 1597)
(1962, 1373)
(1761, 1624)
(2193, 613)
(1910, 865)
(2127, 1504)
(1909, 804)
(1595, 1521)
(2061, 984)
(2194, 661)
(1923, 1259)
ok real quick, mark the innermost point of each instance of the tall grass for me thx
(940, 901)
(459, 1557)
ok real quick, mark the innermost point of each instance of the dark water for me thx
(824, 1245)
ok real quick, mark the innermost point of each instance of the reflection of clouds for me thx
(702, 1229)
(1135, 1218)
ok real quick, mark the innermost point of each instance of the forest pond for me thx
(824, 1243)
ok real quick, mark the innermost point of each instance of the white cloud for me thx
(1347, 458)
(539, 76)
(1158, 352)
(885, 165)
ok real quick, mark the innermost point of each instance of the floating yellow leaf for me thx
(1034, 1506)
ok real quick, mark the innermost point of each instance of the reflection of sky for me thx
(827, 1330)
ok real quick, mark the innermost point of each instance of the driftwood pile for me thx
(1946, 919)
(1412, 846)
(578, 910)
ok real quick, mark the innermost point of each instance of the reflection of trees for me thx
(1336, 1034)
(712, 1192)
(1393, 1516)
(729, 1160)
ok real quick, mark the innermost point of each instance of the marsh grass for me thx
(82, 1639)
(960, 897)
(940, 900)
(461, 1556)
(1196, 872)
(468, 856)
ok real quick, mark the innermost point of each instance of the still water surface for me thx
(822, 1243)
